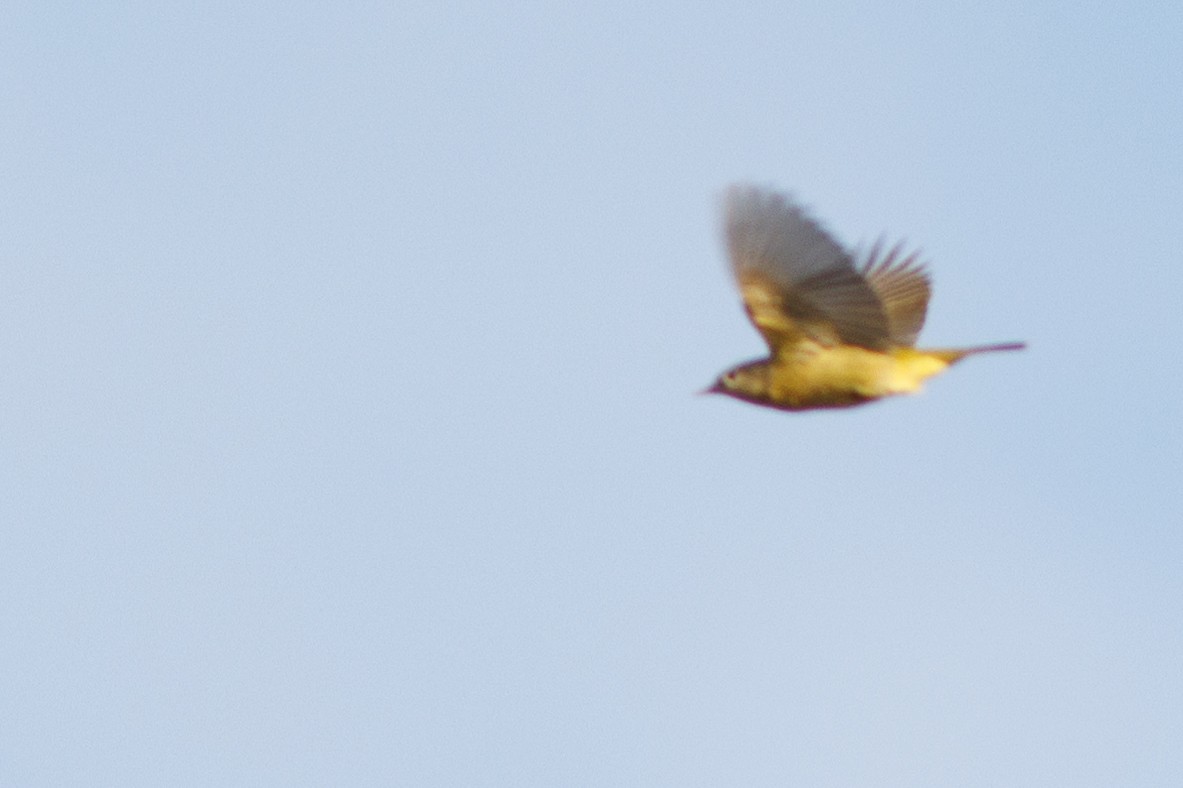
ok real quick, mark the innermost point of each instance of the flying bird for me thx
(840, 331)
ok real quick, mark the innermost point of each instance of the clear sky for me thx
(347, 417)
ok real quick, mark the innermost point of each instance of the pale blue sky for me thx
(349, 432)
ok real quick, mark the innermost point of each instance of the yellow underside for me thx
(847, 375)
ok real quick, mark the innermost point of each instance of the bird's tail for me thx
(912, 367)
(955, 355)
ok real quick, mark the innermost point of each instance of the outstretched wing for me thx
(797, 283)
(903, 288)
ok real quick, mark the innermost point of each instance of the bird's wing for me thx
(797, 283)
(903, 287)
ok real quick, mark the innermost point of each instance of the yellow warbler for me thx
(840, 332)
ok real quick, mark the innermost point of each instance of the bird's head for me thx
(747, 382)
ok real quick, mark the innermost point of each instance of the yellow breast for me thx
(847, 375)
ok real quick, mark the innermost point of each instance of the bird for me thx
(840, 326)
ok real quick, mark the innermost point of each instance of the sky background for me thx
(347, 419)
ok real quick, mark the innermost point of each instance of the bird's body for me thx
(842, 376)
(840, 334)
